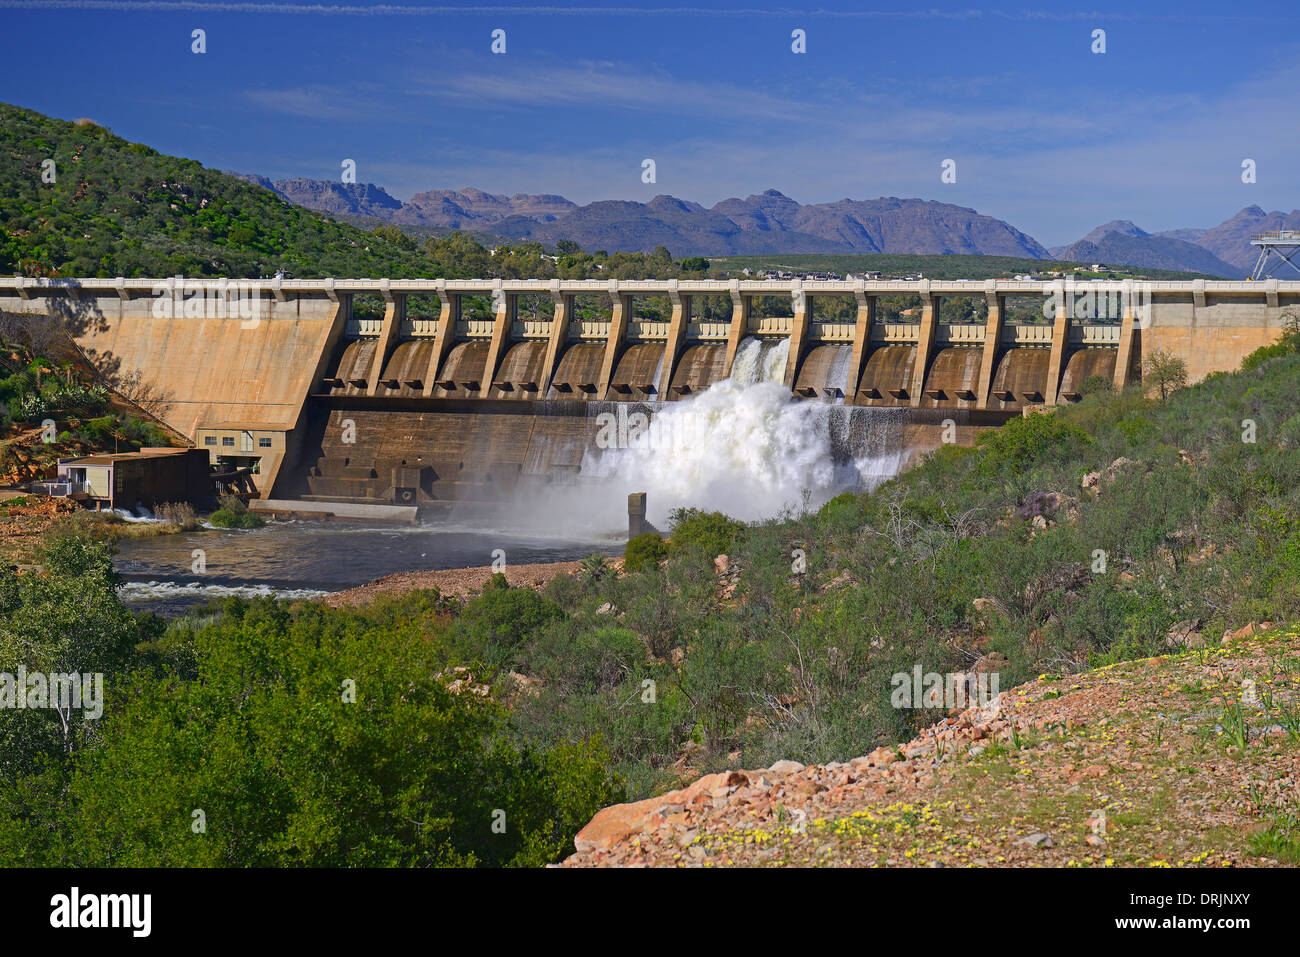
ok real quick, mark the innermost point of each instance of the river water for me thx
(304, 559)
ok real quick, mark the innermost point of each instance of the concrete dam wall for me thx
(323, 401)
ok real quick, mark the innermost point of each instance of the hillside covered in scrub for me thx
(1183, 760)
(116, 208)
(424, 729)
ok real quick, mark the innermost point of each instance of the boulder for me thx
(782, 768)
(1246, 631)
(1037, 839)
(620, 821)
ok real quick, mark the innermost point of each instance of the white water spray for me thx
(745, 450)
(743, 446)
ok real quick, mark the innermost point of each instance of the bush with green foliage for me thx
(708, 533)
(234, 513)
(493, 625)
(1032, 441)
(1288, 344)
(644, 551)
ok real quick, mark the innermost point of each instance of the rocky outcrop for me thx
(785, 791)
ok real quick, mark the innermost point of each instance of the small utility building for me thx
(149, 477)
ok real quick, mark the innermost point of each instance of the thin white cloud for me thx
(310, 102)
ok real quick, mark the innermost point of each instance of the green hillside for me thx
(117, 208)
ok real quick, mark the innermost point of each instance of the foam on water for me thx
(151, 591)
(143, 515)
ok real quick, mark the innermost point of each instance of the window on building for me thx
(210, 440)
(228, 440)
(263, 443)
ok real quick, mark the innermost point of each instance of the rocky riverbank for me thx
(463, 582)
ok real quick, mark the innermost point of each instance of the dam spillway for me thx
(428, 398)
(742, 448)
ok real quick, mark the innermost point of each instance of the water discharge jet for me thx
(750, 450)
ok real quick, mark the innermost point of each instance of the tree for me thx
(65, 620)
(299, 737)
(395, 236)
(1164, 372)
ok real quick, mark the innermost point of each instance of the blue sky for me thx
(1045, 133)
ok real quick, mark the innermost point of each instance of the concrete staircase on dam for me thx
(453, 404)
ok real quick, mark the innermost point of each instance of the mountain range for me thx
(773, 223)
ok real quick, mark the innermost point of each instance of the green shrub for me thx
(234, 513)
(1264, 353)
(593, 570)
(846, 506)
(1289, 343)
(493, 625)
(223, 518)
(644, 551)
(567, 591)
(1028, 441)
(405, 774)
(1097, 385)
(712, 533)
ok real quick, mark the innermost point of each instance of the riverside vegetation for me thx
(422, 729)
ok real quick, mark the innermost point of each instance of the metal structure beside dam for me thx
(440, 405)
